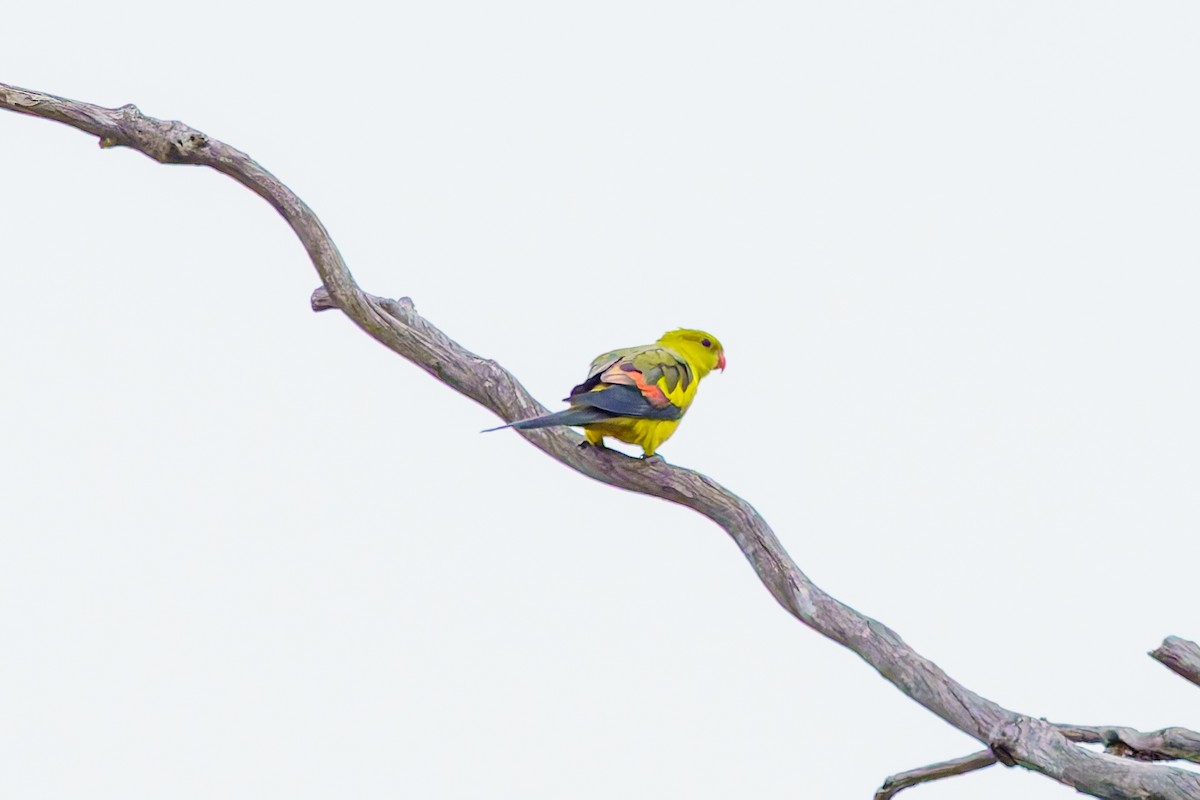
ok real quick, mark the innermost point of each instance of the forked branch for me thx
(1168, 744)
(1032, 743)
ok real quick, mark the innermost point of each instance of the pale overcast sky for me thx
(951, 249)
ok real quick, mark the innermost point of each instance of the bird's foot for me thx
(653, 460)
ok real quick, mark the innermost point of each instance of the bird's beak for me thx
(721, 362)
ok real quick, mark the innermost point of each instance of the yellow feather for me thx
(647, 434)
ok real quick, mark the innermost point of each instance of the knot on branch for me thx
(1124, 742)
(1005, 741)
(321, 300)
(402, 308)
(166, 141)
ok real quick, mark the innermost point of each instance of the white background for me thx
(951, 249)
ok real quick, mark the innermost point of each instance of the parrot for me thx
(637, 394)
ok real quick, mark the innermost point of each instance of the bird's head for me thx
(702, 350)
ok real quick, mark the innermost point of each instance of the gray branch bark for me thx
(1180, 656)
(943, 769)
(1167, 744)
(1014, 738)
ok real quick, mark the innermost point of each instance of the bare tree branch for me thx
(943, 769)
(1180, 656)
(1014, 738)
(1163, 745)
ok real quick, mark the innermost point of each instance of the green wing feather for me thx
(663, 377)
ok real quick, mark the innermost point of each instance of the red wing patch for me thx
(629, 375)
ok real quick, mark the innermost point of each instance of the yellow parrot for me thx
(638, 394)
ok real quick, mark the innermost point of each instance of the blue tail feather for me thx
(569, 416)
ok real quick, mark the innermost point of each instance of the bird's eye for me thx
(706, 342)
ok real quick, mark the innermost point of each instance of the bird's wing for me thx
(663, 381)
(600, 364)
(623, 401)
